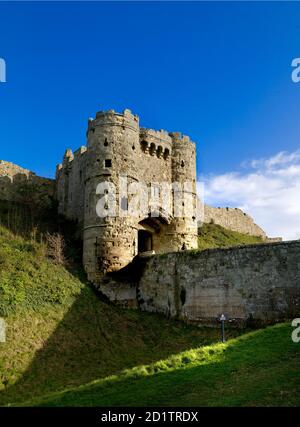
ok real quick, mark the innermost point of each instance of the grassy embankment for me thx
(67, 347)
(215, 236)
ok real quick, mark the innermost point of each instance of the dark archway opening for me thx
(144, 241)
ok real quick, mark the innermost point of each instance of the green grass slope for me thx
(215, 236)
(261, 368)
(60, 334)
(67, 347)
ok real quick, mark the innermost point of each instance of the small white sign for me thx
(2, 330)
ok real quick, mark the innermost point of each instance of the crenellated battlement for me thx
(80, 151)
(70, 157)
(103, 136)
(179, 137)
(156, 143)
(158, 135)
(112, 118)
(110, 113)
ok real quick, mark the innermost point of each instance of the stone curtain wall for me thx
(234, 219)
(21, 185)
(257, 282)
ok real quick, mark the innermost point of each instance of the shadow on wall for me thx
(25, 200)
(26, 188)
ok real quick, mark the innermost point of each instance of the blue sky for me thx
(219, 72)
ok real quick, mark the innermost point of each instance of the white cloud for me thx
(280, 159)
(267, 189)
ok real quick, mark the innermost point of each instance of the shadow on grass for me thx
(261, 369)
(95, 340)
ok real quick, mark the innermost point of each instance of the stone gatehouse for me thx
(118, 147)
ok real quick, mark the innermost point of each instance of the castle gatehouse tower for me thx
(120, 162)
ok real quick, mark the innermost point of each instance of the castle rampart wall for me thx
(233, 219)
(259, 283)
(21, 185)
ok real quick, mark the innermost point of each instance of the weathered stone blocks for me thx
(257, 282)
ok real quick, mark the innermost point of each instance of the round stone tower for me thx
(183, 230)
(109, 239)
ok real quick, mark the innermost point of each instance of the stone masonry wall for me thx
(70, 176)
(21, 185)
(233, 219)
(257, 282)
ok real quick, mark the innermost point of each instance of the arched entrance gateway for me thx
(151, 232)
